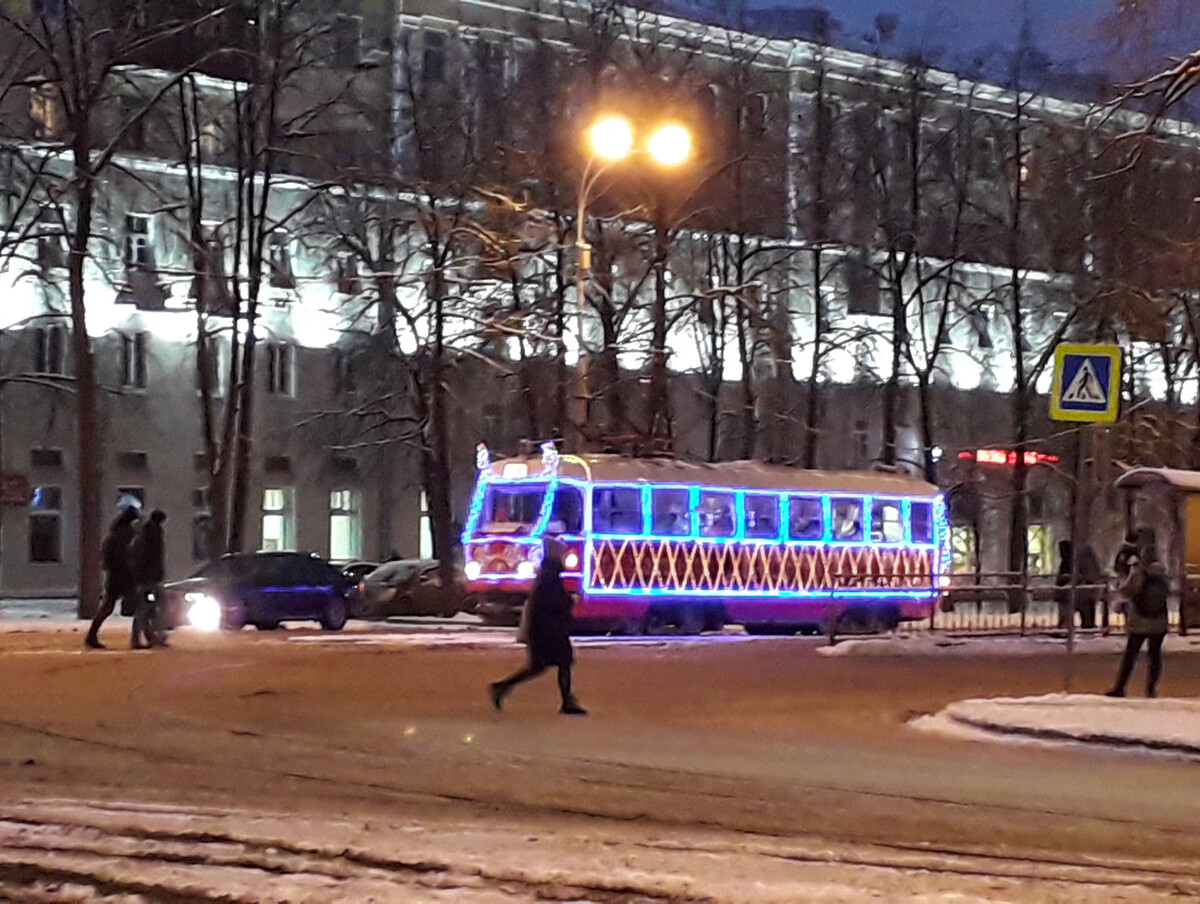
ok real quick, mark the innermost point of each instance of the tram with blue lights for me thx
(653, 544)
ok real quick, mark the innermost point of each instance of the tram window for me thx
(886, 524)
(567, 515)
(847, 519)
(617, 510)
(806, 520)
(922, 522)
(716, 514)
(670, 512)
(762, 517)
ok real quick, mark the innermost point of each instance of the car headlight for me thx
(472, 570)
(570, 561)
(203, 612)
(526, 570)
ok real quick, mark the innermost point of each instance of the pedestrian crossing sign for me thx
(1086, 385)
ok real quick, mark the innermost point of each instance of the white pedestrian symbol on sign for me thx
(1085, 388)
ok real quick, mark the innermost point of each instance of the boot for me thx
(498, 690)
(571, 707)
(1115, 692)
(92, 642)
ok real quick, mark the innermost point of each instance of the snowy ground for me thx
(37, 609)
(925, 644)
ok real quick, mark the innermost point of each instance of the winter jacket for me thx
(550, 620)
(149, 554)
(116, 553)
(1146, 591)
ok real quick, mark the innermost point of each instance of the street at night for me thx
(286, 765)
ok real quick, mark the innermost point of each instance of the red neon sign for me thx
(1006, 457)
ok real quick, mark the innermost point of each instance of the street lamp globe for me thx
(670, 145)
(611, 137)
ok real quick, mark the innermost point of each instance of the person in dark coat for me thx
(118, 581)
(1087, 593)
(1146, 591)
(548, 626)
(149, 554)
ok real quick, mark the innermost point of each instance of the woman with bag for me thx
(546, 631)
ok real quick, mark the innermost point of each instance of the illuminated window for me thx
(278, 527)
(46, 111)
(762, 517)
(886, 523)
(567, 515)
(424, 530)
(617, 510)
(670, 512)
(962, 548)
(847, 519)
(1041, 549)
(806, 519)
(716, 515)
(345, 524)
(922, 522)
(128, 497)
(45, 525)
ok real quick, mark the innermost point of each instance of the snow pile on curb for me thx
(925, 644)
(1171, 726)
(37, 610)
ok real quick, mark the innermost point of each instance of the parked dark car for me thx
(411, 587)
(354, 570)
(262, 589)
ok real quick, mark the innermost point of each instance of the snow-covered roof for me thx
(736, 474)
(1162, 479)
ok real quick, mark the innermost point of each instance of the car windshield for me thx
(247, 569)
(512, 509)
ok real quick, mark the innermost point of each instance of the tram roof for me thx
(748, 474)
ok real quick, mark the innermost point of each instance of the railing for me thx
(1008, 602)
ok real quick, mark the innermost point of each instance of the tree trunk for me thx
(243, 445)
(659, 413)
(89, 436)
(812, 404)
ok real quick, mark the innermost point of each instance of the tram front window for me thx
(511, 509)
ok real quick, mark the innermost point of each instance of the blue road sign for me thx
(1086, 385)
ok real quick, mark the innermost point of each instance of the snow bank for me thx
(1171, 725)
(925, 644)
(37, 610)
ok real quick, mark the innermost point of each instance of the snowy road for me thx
(291, 766)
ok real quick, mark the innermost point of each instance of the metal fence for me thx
(1011, 603)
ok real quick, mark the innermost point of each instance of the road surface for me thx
(369, 765)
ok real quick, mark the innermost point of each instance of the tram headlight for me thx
(526, 569)
(570, 561)
(472, 570)
(203, 612)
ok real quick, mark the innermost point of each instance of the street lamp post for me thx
(610, 139)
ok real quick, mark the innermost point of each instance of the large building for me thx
(863, 259)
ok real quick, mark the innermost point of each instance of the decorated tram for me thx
(654, 544)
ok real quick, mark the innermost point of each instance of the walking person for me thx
(1145, 590)
(118, 580)
(547, 625)
(149, 569)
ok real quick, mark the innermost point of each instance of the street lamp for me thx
(611, 139)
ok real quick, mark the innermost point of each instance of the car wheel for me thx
(334, 618)
(266, 625)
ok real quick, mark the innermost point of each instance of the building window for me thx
(201, 531)
(51, 241)
(979, 324)
(348, 280)
(963, 557)
(344, 377)
(133, 461)
(139, 252)
(46, 111)
(346, 33)
(279, 260)
(345, 525)
(280, 360)
(50, 350)
(862, 286)
(212, 362)
(131, 496)
(277, 464)
(278, 527)
(133, 360)
(425, 530)
(45, 525)
(45, 458)
(1041, 549)
(433, 58)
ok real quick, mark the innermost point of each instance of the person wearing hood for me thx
(546, 631)
(1146, 591)
(118, 579)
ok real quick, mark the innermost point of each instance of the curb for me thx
(1054, 734)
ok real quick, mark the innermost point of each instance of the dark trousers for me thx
(108, 604)
(532, 671)
(146, 625)
(1133, 646)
